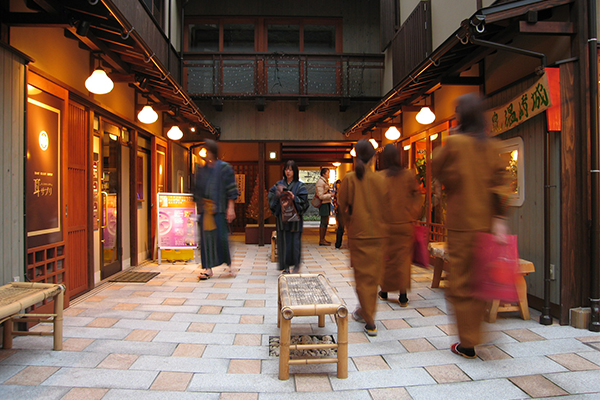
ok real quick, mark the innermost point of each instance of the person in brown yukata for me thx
(475, 181)
(403, 204)
(362, 208)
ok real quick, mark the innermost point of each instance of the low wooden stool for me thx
(439, 253)
(525, 267)
(15, 297)
(274, 246)
(305, 295)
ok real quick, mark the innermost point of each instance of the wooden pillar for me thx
(133, 215)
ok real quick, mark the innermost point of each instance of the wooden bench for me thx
(274, 246)
(307, 295)
(439, 252)
(16, 297)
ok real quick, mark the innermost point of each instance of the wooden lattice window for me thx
(46, 263)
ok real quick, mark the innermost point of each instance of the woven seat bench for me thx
(307, 295)
(16, 297)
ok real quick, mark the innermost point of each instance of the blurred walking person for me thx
(289, 234)
(215, 191)
(362, 208)
(323, 192)
(474, 177)
(403, 204)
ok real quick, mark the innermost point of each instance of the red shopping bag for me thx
(495, 268)
(420, 254)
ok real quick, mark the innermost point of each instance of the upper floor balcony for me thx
(280, 75)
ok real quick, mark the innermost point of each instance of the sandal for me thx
(204, 276)
(456, 348)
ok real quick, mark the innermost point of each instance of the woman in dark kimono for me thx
(289, 234)
(215, 192)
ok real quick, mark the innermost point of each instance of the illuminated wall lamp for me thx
(175, 133)
(407, 147)
(425, 116)
(392, 133)
(272, 155)
(337, 164)
(353, 152)
(99, 82)
(433, 137)
(374, 143)
(147, 115)
(202, 152)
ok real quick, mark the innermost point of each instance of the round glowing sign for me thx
(44, 140)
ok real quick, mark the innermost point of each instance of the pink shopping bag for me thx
(495, 268)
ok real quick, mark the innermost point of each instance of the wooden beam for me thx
(107, 54)
(463, 80)
(547, 28)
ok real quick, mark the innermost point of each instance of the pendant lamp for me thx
(99, 82)
(147, 115)
(425, 116)
(175, 133)
(392, 133)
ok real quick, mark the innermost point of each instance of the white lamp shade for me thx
(175, 133)
(353, 152)
(392, 133)
(425, 116)
(147, 115)
(407, 147)
(374, 143)
(99, 82)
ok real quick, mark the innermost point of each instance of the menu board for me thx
(176, 221)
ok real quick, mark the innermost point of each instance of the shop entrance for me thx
(110, 250)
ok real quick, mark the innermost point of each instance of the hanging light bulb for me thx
(203, 152)
(374, 143)
(392, 133)
(336, 164)
(175, 133)
(147, 115)
(353, 152)
(99, 82)
(425, 116)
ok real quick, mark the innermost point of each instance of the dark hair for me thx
(390, 159)
(469, 113)
(364, 152)
(212, 146)
(294, 166)
(324, 171)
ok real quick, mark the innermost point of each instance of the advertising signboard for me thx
(176, 222)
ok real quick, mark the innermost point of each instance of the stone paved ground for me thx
(177, 338)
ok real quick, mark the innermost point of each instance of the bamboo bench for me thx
(16, 297)
(307, 295)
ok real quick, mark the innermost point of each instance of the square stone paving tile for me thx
(488, 353)
(244, 366)
(449, 329)
(189, 350)
(254, 303)
(430, 311)
(95, 298)
(76, 344)
(102, 323)
(6, 353)
(142, 335)
(125, 306)
(357, 337)
(222, 285)
(370, 363)
(85, 393)
(255, 291)
(312, 383)
(396, 393)
(217, 296)
(73, 312)
(118, 361)
(173, 381)
(447, 373)
(574, 362)
(205, 327)
(417, 345)
(141, 293)
(537, 386)
(252, 319)
(173, 302)
(210, 310)
(523, 335)
(160, 316)
(395, 324)
(32, 376)
(184, 289)
(247, 340)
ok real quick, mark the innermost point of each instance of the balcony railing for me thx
(283, 75)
